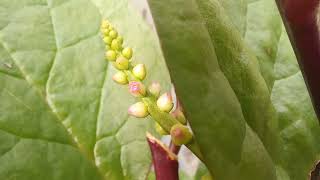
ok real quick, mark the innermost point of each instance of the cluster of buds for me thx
(133, 76)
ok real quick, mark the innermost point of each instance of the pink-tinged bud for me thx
(178, 114)
(139, 71)
(120, 78)
(180, 134)
(165, 103)
(139, 110)
(154, 89)
(137, 89)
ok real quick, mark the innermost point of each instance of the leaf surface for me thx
(251, 52)
(59, 107)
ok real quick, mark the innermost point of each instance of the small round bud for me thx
(115, 45)
(120, 39)
(139, 110)
(137, 89)
(111, 55)
(139, 71)
(120, 78)
(165, 103)
(106, 31)
(180, 134)
(107, 40)
(127, 52)
(113, 34)
(178, 114)
(104, 24)
(154, 89)
(122, 63)
(160, 130)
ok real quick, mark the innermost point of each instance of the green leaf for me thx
(240, 42)
(59, 108)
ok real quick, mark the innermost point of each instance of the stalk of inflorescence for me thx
(150, 101)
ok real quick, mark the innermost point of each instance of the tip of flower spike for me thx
(120, 78)
(165, 102)
(105, 24)
(137, 89)
(180, 134)
(139, 71)
(139, 110)
(154, 89)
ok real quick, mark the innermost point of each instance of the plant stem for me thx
(165, 162)
(301, 18)
(173, 148)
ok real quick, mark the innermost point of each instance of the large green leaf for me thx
(61, 116)
(246, 43)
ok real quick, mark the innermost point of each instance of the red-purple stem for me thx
(173, 148)
(165, 162)
(300, 18)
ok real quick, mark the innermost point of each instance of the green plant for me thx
(62, 116)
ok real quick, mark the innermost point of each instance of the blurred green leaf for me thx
(232, 53)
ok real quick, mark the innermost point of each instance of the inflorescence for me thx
(133, 76)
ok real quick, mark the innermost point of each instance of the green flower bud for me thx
(111, 55)
(154, 89)
(139, 110)
(127, 52)
(165, 103)
(180, 134)
(139, 71)
(120, 39)
(122, 63)
(120, 78)
(160, 130)
(137, 89)
(107, 40)
(115, 45)
(113, 34)
(178, 114)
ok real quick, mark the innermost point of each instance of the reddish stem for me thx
(165, 162)
(301, 20)
(173, 148)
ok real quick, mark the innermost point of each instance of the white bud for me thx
(139, 110)
(139, 71)
(165, 103)
(154, 89)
